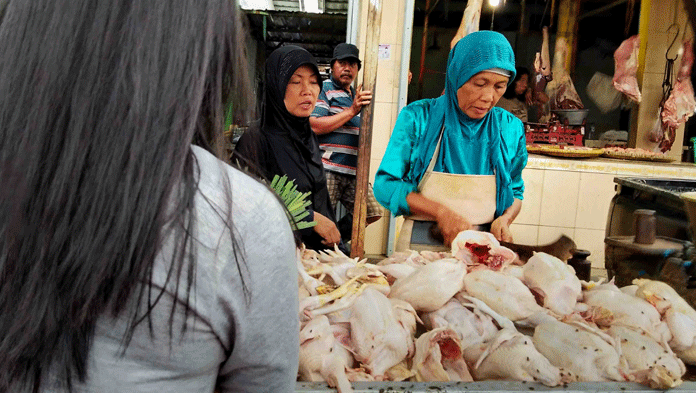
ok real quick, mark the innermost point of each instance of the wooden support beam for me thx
(374, 21)
(424, 44)
(568, 13)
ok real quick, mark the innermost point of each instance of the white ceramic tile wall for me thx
(548, 234)
(559, 198)
(594, 197)
(591, 240)
(524, 234)
(531, 205)
(381, 128)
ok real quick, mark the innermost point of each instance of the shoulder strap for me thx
(433, 160)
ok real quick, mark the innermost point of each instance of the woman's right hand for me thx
(450, 224)
(327, 230)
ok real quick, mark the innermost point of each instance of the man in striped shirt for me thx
(336, 121)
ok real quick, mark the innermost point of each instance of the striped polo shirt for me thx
(340, 147)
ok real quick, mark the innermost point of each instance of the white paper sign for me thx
(384, 51)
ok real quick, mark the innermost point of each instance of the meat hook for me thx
(673, 41)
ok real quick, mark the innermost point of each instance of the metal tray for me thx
(669, 188)
(488, 387)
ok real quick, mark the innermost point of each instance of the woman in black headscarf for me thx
(283, 142)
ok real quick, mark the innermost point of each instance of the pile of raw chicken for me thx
(478, 313)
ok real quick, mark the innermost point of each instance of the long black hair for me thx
(510, 92)
(99, 103)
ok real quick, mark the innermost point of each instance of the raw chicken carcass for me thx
(406, 315)
(379, 340)
(505, 294)
(628, 310)
(410, 258)
(432, 285)
(586, 352)
(511, 355)
(679, 316)
(625, 68)
(395, 271)
(322, 358)
(473, 327)
(476, 247)
(651, 363)
(439, 357)
(554, 281)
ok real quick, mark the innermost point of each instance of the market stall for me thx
(479, 315)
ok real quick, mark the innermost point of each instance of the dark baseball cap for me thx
(346, 51)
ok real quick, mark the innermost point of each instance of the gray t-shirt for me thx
(229, 345)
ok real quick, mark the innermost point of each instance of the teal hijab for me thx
(476, 52)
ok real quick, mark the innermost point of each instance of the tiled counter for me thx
(572, 197)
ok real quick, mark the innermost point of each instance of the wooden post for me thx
(523, 17)
(374, 20)
(424, 44)
(568, 14)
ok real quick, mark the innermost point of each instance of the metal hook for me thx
(673, 41)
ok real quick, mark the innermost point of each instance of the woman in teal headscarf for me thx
(457, 159)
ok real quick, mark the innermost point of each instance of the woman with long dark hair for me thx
(282, 143)
(131, 260)
(514, 100)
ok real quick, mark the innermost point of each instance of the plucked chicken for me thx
(678, 314)
(553, 281)
(379, 340)
(439, 357)
(628, 310)
(586, 352)
(474, 327)
(431, 286)
(322, 358)
(482, 248)
(511, 355)
(651, 363)
(505, 294)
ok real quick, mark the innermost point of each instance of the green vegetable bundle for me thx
(296, 202)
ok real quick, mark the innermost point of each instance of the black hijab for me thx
(280, 66)
(283, 144)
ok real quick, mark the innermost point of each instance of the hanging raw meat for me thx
(542, 75)
(680, 104)
(625, 67)
(542, 65)
(561, 91)
(470, 20)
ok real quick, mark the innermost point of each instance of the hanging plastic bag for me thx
(602, 92)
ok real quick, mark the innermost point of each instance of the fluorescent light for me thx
(312, 6)
(494, 3)
(255, 5)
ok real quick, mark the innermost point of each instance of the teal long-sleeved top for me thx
(460, 153)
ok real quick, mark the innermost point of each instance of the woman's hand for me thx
(500, 228)
(327, 230)
(450, 224)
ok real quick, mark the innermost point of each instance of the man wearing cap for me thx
(336, 121)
